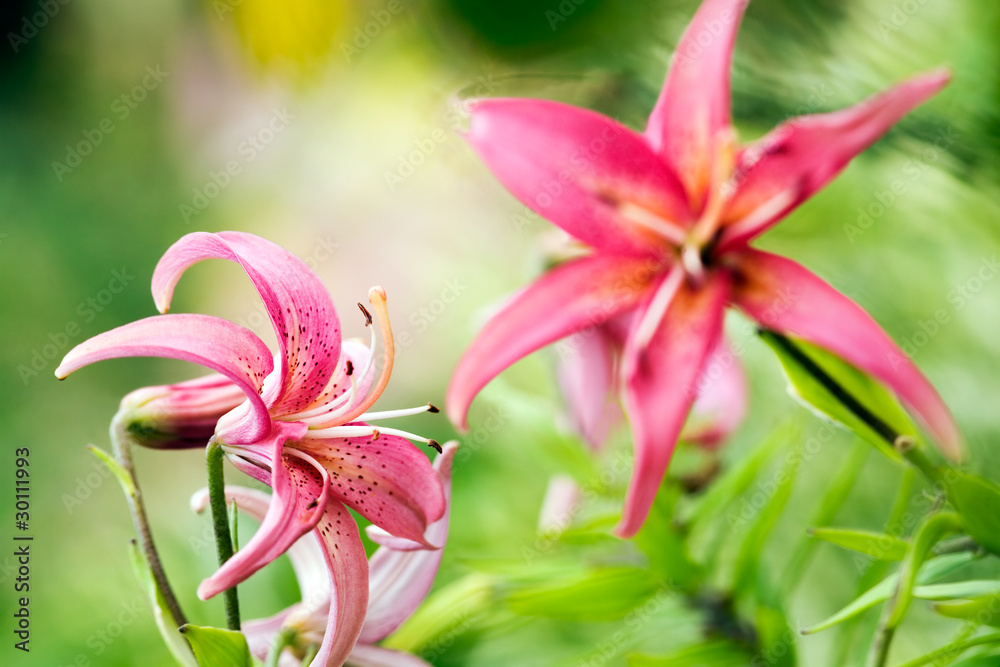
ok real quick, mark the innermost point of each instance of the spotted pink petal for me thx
(661, 384)
(307, 560)
(784, 296)
(300, 492)
(347, 564)
(692, 113)
(722, 399)
(799, 157)
(577, 295)
(400, 580)
(212, 342)
(305, 322)
(579, 169)
(376, 656)
(388, 481)
(586, 374)
(358, 354)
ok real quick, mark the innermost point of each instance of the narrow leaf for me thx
(978, 501)
(605, 594)
(164, 621)
(865, 390)
(877, 545)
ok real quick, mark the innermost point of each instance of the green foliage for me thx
(604, 594)
(978, 501)
(877, 545)
(862, 388)
(215, 647)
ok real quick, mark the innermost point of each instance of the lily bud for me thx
(178, 416)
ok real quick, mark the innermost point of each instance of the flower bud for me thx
(177, 416)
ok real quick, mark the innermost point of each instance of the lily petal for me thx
(388, 481)
(300, 492)
(661, 384)
(586, 374)
(365, 655)
(307, 560)
(304, 319)
(348, 566)
(261, 632)
(212, 342)
(692, 113)
(574, 296)
(784, 296)
(799, 157)
(587, 173)
(400, 580)
(722, 399)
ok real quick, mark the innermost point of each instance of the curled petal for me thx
(577, 295)
(692, 113)
(661, 384)
(261, 632)
(212, 342)
(307, 559)
(300, 491)
(387, 480)
(799, 157)
(784, 296)
(305, 322)
(722, 399)
(592, 176)
(400, 580)
(347, 564)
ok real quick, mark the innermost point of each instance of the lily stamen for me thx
(360, 431)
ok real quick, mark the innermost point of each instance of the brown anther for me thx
(433, 409)
(368, 316)
(375, 435)
(350, 367)
(435, 445)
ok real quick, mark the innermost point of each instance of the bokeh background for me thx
(119, 121)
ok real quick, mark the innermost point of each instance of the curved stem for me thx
(120, 447)
(220, 522)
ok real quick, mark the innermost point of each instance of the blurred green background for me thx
(119, 121)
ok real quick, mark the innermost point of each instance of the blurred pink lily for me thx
(668, 215)
(401, 574)
(302, 426)
(590, 383)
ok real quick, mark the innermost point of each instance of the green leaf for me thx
(931, 571)
(944, 655)
(446, 610)
(605, 594)
(865, 390)
(982, 608)
(128, 486)
(665, 546)
(776, 643)
(978, 501)
(215, 647)
(877, 545)
(164, 621)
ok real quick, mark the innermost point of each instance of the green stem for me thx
(953, 651)
(120, 447)
(284, 638)
(220, 522)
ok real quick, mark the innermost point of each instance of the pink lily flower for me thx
(668, 215)
(302, 428)
(401, 575)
